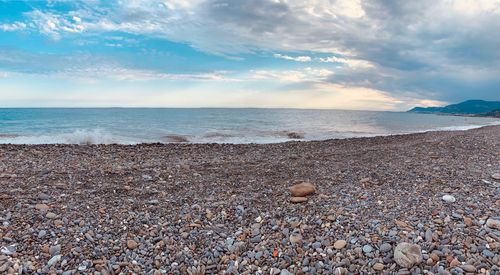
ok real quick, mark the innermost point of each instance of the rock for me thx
(298, 199)
(42, 234)
(295, 238)
(449, 198)
(378, 266)
(339, 244)
(468, 268)
(8, 250)
(494, 224)
(43, 196)
(385, 247)
(496, 176)
(468, 221)
(42, 206)
(54, 260)
(131, 244)
(428, 235)
(454, 263)
(285, 272)
(55, 250)
(51, 215)
(367, 248)
(407, 254)
(302, 189)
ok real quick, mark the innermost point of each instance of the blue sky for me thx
(344, 54)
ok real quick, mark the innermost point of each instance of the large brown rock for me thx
(302, 189)
(407, 254)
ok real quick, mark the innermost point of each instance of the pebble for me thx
(43, 196)
(449, 198)
(385, 247)
(131, 244)
(295, 238)
(496, 176)
(298, 199)
(302, 189)
(367, 248)
(42, 206)
(51, 215)
(378, 266)
(55, 250)
(407, 254)
(468, 268)
(54, 260)
(492, 223)
(339, 244)
(42, 234)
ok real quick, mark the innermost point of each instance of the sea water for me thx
(207, 125)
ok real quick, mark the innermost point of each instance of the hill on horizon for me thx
(468, 107)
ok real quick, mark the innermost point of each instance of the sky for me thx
(341, 54)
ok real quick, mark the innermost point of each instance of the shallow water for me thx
(201, 125)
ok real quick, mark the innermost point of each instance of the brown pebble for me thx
(339, 244)
(302, 189)
(298, 199)
(131, 244)
(378, 266)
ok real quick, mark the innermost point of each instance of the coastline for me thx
(225, 207)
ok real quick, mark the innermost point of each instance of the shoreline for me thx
(291, 136)
(174, 208)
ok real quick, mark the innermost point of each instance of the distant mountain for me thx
(469, 107)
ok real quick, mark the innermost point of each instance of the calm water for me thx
(129, 125)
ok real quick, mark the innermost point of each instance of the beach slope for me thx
(214, 208)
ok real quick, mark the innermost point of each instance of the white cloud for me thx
(291, 76)
(16, 26)
(353, 63)
(296, 58)
(54, 25)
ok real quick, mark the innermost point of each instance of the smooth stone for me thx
(428, 235)
(55, 250)
(295, 238)
(8, 250)
(367, 248)
(43, 196)
(494, 224)
(378, 266)
(449, 198)
(496, 176)
(468, 268)
(42, 234)
(131, 244)
(302, 189)
(42, 206)
(339, 244)
(407, 254)
(51, 215)
(285, 272)
(385, 247)
(298, 199)
(54, 260)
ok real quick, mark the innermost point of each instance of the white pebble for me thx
(449, 198)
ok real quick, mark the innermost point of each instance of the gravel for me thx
(222, 208)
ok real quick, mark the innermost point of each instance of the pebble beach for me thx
(426, 203)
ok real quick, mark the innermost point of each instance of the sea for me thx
(213, 125)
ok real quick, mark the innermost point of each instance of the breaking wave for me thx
(86, 137)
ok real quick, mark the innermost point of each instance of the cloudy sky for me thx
(344, 54)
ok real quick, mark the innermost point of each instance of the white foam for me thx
(76, 137)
